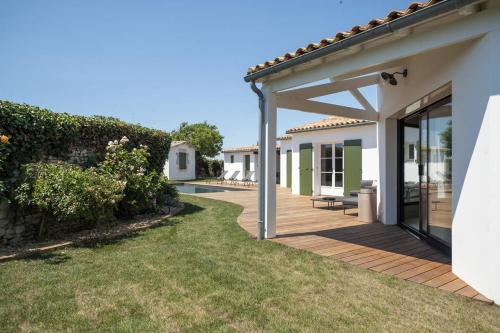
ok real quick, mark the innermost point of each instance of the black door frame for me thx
(400, 177)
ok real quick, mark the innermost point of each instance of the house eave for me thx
(331, 127)
(383, 30)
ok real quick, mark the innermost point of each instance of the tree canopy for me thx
(205, 138)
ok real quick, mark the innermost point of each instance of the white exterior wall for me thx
(368, 136)
(238, 164)
(285, 145)
(434, 57)
(474, 71)
(172, 170)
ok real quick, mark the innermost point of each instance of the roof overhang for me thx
(355, 42)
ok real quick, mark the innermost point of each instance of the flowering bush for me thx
(66, 192)
(35, 135)
(120, 185)
(144, 191)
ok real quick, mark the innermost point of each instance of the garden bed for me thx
(101, 233)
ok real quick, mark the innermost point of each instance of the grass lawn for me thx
(201, 273)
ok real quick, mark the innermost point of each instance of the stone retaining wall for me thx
(16, 230)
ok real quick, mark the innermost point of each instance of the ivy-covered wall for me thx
(30, 134)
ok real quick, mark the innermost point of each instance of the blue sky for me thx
(159, 63)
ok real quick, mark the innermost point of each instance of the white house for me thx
(241, 162)
(437, 72)
(329, 157)
(181, 163)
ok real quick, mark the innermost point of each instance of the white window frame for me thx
(321, 172)
(334, 171)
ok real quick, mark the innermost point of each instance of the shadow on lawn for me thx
(168, 222)
(51, 258)
(56, 258)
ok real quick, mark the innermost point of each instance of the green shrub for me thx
(36, 134)
(167, 194)
(145, 191)
(215, 167)
(67, 192)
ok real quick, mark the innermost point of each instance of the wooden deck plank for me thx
(328, 232)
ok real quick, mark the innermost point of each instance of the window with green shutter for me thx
(182, 161)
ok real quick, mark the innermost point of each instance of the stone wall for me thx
(16, 230)
(77, 156)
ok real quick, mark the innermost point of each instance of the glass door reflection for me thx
(439, 176)
(426, 157)
(411, 179)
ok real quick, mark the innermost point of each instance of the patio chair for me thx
(350, 202)
(222, 177)
(234, 178)
(364, 184)
(247, 180)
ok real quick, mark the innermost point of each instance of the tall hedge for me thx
(36, 134)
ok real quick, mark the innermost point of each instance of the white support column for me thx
(270, 169)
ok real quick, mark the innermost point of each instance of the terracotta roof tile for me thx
(284, 138)
(244, 149)
(177, 143)
(413, 7)
(241, 149)
(331, 122)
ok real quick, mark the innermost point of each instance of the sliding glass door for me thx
(439, 174)
(425, 164)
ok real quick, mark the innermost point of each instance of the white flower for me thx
(124, 140)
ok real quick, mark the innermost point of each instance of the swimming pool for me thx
(198, 188)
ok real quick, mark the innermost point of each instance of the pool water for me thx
(195, 188)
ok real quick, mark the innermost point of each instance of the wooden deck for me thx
(328, 232)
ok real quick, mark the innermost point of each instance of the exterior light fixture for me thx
(387, 77)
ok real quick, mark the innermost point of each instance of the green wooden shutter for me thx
(289, 169)
(352, 166)
(182, 161)
(305, 167)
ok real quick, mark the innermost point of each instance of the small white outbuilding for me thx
(181, 163)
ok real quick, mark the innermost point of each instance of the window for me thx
(411, 151)
(339, 165)
(326, 165)
(182, 161)
(332, 165)
(232, 158)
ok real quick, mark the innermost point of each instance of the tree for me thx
(203, 137)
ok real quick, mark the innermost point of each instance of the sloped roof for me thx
(339, 36)
(177, 143)
(243, 149)
(331, 122)
(284, 138)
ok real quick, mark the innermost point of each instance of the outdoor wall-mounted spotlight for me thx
(390, 77)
